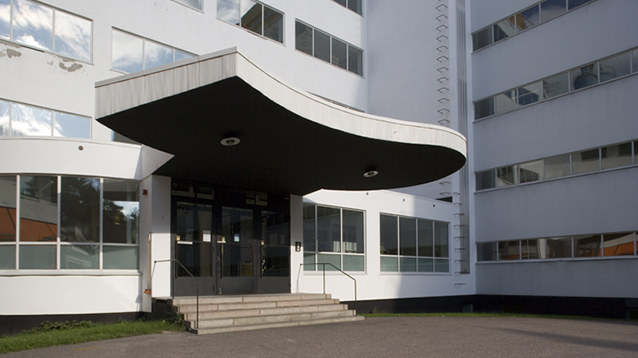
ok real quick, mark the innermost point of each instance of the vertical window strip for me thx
(581, 77)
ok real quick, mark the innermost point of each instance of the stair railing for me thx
(193, 277)
(336, 269)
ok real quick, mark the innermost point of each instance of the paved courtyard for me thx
(382, 337)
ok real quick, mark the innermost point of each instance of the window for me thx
(132, 53)
(540, 12)
(328, 48)
(616, 66)
(333, 236)
(253, 16)
(195, 4)
(413, 245)
(45, 28)
(23, 120)
(62, 225)
(354, 5)
(562, 247)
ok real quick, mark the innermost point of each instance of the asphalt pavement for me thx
(382, 337)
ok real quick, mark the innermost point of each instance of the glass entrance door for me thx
(242, 247)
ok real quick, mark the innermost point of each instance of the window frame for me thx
(263, 23)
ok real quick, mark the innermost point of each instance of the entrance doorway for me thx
(232, 242)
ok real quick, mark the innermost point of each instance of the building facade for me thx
(115, 188)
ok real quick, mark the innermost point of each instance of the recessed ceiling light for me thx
(230, 141)
(371, 173)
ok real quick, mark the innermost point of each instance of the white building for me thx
(247, 108)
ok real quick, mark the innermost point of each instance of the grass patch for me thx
(59, 333)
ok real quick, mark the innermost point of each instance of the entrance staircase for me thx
(241, 313)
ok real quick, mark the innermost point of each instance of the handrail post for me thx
(324, 278)
(323, 265)
(196, 287)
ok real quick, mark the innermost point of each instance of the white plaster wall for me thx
(70, 294)
(374, 284)
(581, 278)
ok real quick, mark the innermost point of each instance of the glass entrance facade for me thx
(229, 241)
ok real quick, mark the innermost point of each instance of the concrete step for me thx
(178, 301)
(268, 319)
(277, 325)
(216, 314)
(191, 308)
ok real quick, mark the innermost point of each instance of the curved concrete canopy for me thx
(291, 141)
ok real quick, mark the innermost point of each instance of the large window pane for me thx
(528, 18)
(584, 76)
(5, 18)
(353, 231)
(5, 109)
(576, 3)
(339, 53)
(616, 155)
(250, 12)
(275, 229)
(407, 237)
(531, 171)
(33, 24)
(355, 5)
(618, 244)
(72, 36)
(506, 176)
(389, 235)
(509, 250)
(128, 52)
(529, 94)
(331, 262)
(441, 239)
(355, 60)
(37, 257)
(7, 257)
(587, 246)
(552, 8)
(309, 228)
(556, 85)
(529, 249)
(328, 229)
(556, 247)
(389, 264)
(505, 102)
(156, 55)
(613, 67)
(38, 208)
(309, 262)
(558, 166)
(504, 29)
(120, 258)
(121, 212)
(179, 55)
(634, 55)
(80, 210)
(426, 238)
(484, 108)
(482, 38)
(322, 46)
(408, 264)
(425, 265)
(353, 263)
(303, 38)
(441, 265)
(486, 251)
(7, 209)
(79, 257)
(585, 162)
(68, 125)
(273, 24)
(30, 121)
(486, 180)
(228, 10)
(196, 4)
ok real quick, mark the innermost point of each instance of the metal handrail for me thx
(194, 278)
(336, 268)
